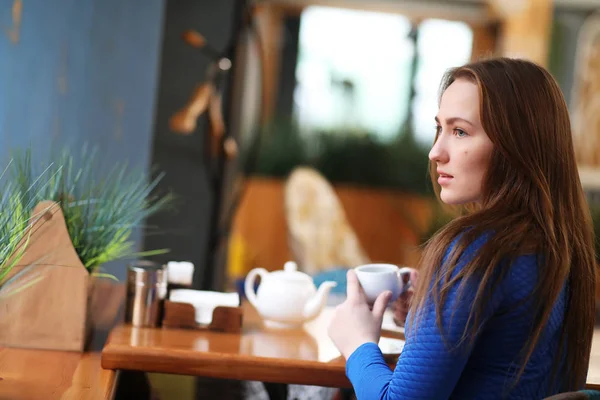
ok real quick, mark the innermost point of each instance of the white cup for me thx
(377, 278)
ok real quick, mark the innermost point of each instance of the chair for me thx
(319, 234)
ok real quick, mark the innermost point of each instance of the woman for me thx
(504, 306)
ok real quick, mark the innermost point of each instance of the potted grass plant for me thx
(83, 219)
(15, 223)
(101, 212)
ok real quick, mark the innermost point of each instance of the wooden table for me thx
(304, 356)
(42, 374)
(295, 357)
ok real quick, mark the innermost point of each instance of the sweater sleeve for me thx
(430, 364)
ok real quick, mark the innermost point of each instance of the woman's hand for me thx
(354, 323)
(401, 306)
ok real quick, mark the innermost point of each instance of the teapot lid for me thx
(290, 273)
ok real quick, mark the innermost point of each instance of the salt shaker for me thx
(146, 292)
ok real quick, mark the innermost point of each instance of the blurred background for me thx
(285, 129)
(230, 98)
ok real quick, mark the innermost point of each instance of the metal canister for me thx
(146, 292)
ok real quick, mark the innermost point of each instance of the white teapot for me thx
(286, 298)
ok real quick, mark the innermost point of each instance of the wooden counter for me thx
(27, 374)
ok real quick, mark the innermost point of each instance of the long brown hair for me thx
(533, 203)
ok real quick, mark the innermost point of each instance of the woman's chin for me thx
(446, 197)
(450, 199)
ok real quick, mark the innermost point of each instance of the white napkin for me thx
(389, 324)
(391, 345)
(204, 301)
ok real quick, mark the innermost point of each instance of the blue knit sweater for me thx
(428, 368)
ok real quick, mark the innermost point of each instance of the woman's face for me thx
(462, 150)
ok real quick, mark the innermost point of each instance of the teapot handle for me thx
(249, 284)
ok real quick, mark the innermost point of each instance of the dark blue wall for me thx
(82, 71)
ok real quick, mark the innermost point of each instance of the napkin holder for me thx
(181, 315)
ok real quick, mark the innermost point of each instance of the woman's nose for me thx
(437, 152)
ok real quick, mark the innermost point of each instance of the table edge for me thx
(247, 367)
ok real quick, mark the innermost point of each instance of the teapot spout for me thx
(315, 305)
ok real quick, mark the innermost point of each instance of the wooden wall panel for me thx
(525, 28)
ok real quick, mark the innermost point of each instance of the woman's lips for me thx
(444, 179)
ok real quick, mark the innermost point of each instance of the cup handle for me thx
(404, 279)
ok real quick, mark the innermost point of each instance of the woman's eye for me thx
(460, 133)
(438, 129)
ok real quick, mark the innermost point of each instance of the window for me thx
(354, 70)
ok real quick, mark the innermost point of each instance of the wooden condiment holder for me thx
(45, 299)
(182, 315)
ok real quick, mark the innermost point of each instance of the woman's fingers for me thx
(381, 304)
(401, 307)
(354, 292)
